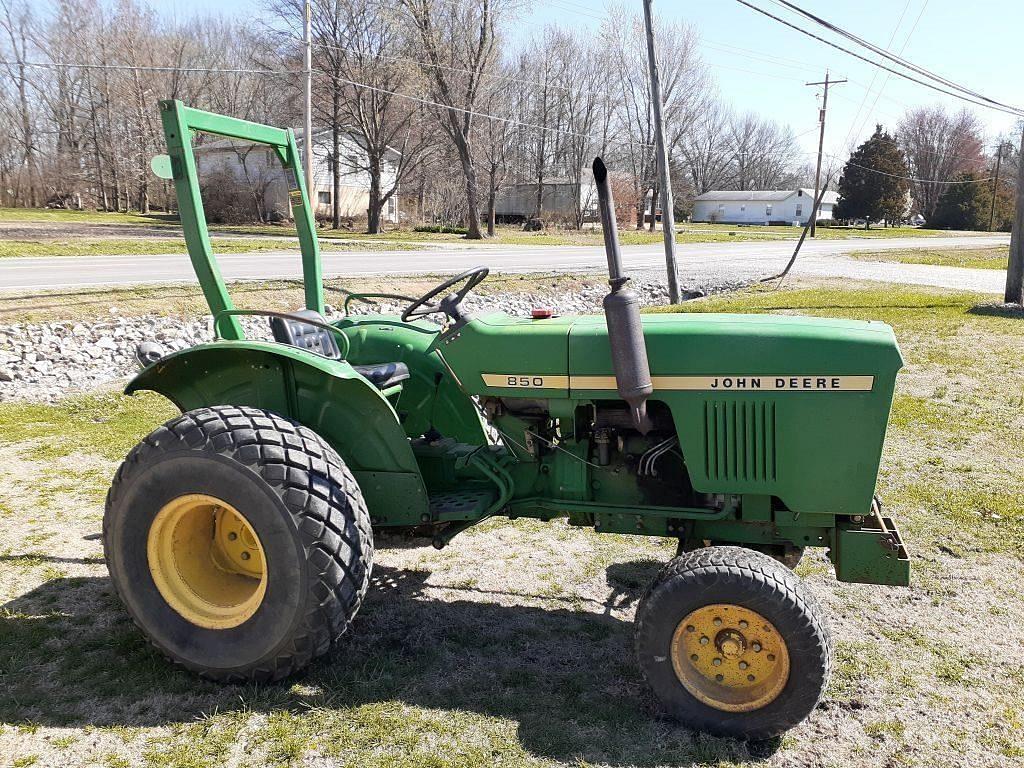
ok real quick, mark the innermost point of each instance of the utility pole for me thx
(995, 188)
(1015, 269)
(307, 67)
(668, 227)
(821, 142)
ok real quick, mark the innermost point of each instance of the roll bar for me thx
(180, 123)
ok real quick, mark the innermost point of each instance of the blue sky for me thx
(762, 66)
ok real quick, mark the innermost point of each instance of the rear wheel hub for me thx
(207, 561)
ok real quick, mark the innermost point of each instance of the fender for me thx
(327, 396)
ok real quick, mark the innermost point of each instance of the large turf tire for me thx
(752, 580)
(301, 501)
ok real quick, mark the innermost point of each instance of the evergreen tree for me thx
(963, 205)
(1002, 217)
(865, 189)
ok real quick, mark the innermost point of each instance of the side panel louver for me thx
(739, 440)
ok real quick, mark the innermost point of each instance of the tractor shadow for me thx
(69, 656)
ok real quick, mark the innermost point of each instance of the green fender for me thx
(327, 396)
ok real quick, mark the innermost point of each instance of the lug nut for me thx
(704, 641)
(717, 662)
(718, 622)
(743, 625)
(694, 657)
(246, 555)
(232, 536)
(743, 665)
(756, 647)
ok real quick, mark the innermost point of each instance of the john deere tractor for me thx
(240, 534)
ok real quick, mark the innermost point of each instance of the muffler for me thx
(622, 315)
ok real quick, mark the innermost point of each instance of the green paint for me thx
(780, 420)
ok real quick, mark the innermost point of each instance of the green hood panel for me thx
(794, 407)
(495, 349)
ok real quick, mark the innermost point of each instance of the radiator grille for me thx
(739, 440)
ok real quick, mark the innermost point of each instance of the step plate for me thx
(460, 505)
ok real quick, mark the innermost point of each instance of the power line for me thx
(753, 72)
(1009, 110)
(893, 58)
(474, 113)
(506, 78)
(770, 58)
(905, 178)
(354, 83)
(139, 68)
(878, 95)
(874, 76)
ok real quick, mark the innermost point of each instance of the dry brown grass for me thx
(512, 647)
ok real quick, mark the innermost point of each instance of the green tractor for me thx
(239, 535)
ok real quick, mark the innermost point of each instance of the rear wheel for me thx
(239, 543)
(732, 644)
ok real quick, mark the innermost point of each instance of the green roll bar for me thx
(180, 123)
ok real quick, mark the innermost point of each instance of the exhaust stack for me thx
(622, 314)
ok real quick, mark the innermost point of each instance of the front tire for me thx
(239, 542)
(732, 644)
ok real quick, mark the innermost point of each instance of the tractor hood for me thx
(777, 405)
(499, 354)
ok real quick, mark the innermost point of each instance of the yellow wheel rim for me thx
(207, 561)
(730, 658)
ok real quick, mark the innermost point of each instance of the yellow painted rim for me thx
(207, 561)
(730, 657)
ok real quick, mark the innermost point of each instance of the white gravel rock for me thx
(46, 361)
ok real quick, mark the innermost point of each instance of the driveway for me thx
(699, 263)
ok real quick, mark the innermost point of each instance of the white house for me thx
(760, 207)
(258, 171)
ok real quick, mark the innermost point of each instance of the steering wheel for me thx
(450, 304)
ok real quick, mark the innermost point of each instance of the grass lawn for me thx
(126, 247)
(56, 216)
(513, 647)
(975, 258)
(506, 235)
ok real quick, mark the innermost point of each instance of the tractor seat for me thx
(296, 333)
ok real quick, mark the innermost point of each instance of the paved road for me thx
(700, 263)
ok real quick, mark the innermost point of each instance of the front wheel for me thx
(732, 644)
(239, 543)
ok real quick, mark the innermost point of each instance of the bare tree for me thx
(706, 150)
(939, 144)
(495, 146)
(16, 24)
(459, 43)
(587, 109)
(684, 90)
(763, 151)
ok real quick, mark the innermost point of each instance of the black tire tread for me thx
(320, 493)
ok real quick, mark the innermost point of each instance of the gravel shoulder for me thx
(95, 342)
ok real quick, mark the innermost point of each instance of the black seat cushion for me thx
(305, 335)
(308, 336)
(384, 375)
